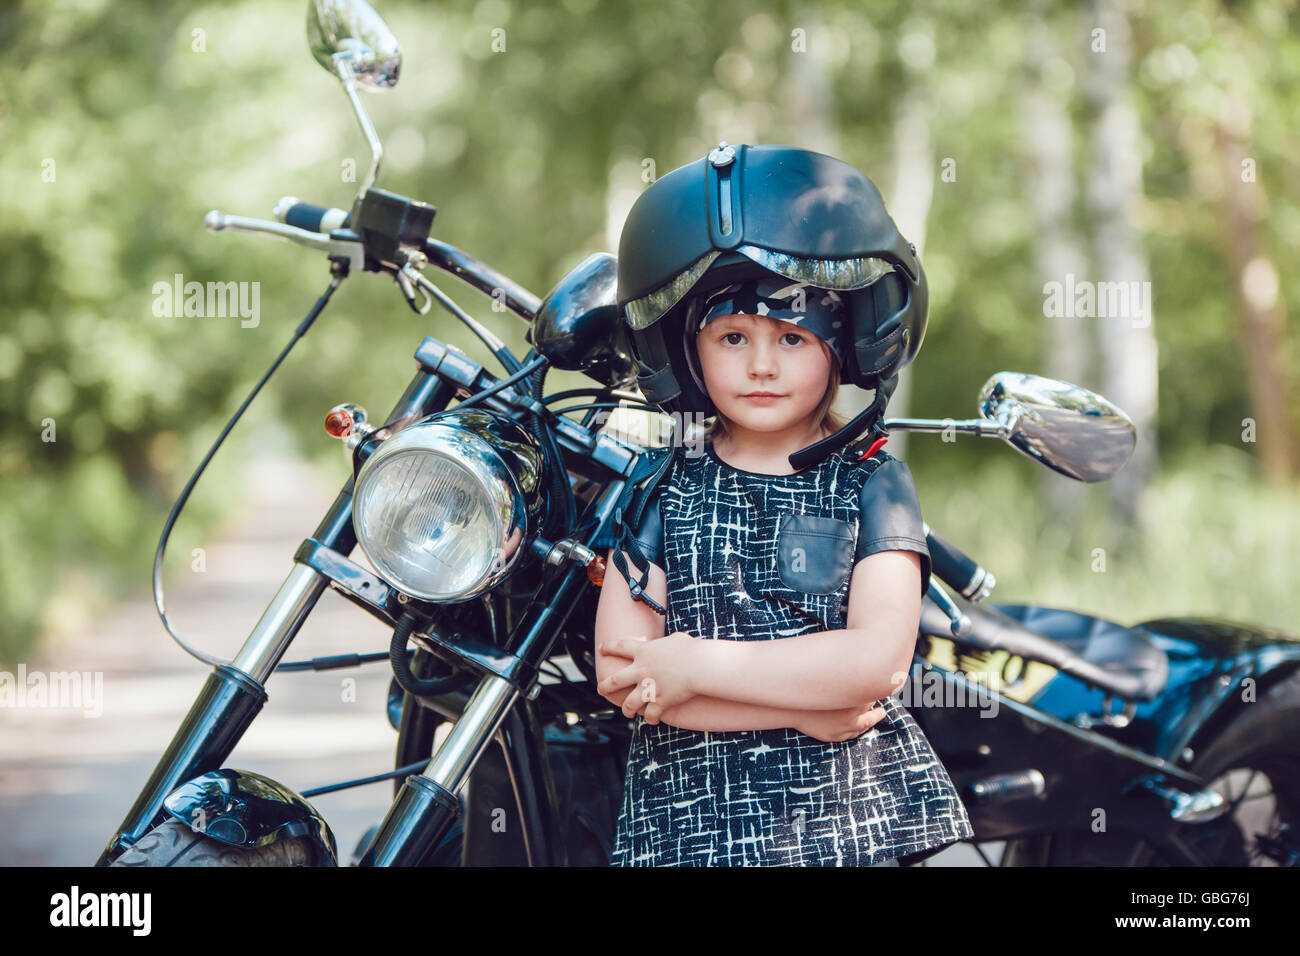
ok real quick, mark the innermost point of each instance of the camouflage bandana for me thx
(821, 311)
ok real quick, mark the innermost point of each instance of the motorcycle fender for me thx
(1212, 663)
(246, 809)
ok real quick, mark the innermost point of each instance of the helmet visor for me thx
(838, 274)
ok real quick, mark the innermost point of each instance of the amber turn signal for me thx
(596, 571)
(339, 422)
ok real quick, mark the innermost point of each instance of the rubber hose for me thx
(401, 663)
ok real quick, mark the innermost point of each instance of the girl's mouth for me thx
(762, 398)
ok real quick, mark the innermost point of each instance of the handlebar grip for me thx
(955, 568)
(305, 215)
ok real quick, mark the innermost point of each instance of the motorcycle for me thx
(485, 521)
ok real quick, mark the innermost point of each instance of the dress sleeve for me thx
(650, 535)
(891, 516)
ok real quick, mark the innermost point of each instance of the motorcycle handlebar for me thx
(957, 569)
(307, 225)
(325, 219)
(217, 221)
(304, 215)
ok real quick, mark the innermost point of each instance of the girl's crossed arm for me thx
(867, 660)
(619, 617)
(843, 668)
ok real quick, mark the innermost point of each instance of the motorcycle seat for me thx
(1122, 661)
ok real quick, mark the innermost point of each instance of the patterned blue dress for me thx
(778, 797)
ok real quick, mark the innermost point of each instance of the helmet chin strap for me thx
(874, 414)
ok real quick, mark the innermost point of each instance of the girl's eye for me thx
(798, 339)
(726, 338)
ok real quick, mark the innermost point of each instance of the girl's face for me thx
(742, 356)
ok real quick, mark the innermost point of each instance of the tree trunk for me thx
(1059, 251)
(1258, 290)
(1126, 342)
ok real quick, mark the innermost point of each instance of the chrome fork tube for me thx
(429, 802)
(280, 622)
(230, 699)
(486, 708)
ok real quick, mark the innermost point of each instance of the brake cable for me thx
(338, 271)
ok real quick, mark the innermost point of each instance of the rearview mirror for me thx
(350, 32)
(1067, 428)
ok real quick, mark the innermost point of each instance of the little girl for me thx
(792, 597)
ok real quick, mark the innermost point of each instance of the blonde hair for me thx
(829, 420)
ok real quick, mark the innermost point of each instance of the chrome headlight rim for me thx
(449, 437)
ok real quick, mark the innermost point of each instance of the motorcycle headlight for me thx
(445, 507)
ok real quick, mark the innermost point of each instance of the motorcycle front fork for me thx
(234, 693)
(225, 707)
(429, 803)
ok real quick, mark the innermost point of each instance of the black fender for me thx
(1210, 660)
(246, 809)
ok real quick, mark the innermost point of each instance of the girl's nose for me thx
(762, 361)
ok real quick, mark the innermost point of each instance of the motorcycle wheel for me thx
(172, 843)
(1254, 764)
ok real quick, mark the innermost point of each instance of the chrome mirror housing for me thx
(1066, 427)
(351, 32)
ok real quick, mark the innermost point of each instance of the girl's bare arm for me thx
(717, 713)
(828, 669)
(619, 615)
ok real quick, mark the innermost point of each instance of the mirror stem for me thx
(981, 427)
(367, 128)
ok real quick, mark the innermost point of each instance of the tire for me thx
(172, 843)
(1254, 763)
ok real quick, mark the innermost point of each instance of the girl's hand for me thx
(833, 726)
(659, 673)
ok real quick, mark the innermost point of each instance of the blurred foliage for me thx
(1211, 541)
(122, 124)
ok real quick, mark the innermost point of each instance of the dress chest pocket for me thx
(814, 554)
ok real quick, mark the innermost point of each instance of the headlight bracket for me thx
(448, 640)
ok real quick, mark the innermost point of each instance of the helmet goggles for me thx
(829, 274)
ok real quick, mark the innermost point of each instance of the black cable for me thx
(600, 393)
(340, 273)
(538, 363)
(574, 393)
(558, 672)
(409, 769)
(484, 334)
(529, 368)
(561, 488)
(578, 408)
(329, 663)
(415, 686)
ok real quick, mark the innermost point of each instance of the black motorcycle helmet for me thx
(745, 212)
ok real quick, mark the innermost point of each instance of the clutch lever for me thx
(961, 622)
(407, 277)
